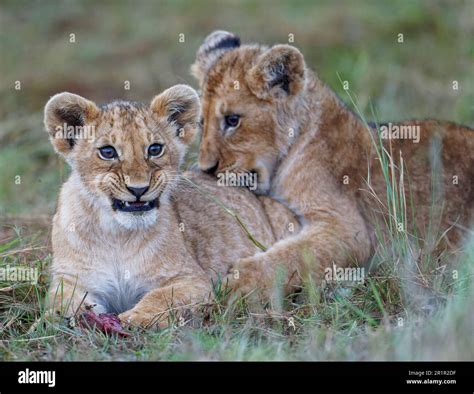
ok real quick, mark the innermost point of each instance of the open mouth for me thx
(134, 206)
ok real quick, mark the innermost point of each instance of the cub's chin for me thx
(135, 215)
(136, 220)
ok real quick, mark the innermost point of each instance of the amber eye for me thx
(232, 121)
(156, 150)
(108, 153)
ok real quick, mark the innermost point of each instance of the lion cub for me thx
(131, 236)
(325, 163)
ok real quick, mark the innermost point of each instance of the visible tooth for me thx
(127, 203)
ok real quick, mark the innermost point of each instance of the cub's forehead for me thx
(124, 113)
(228, 73)
(124, 118)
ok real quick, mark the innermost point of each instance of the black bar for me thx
(220, 377)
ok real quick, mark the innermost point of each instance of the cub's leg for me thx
(333, 234)
(68, 295)
(173, 298)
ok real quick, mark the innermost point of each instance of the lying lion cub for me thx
(130, 235)
(267, 113)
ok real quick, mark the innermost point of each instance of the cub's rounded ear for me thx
(65, 116)
(179, 105)
(279, 72)
(213, 47)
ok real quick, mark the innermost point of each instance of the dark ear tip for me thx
(214, 45)
(218, 35)
(219, 40)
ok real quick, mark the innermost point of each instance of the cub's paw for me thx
(250, 275)
(144, 319)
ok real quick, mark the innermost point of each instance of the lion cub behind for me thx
(131, 236)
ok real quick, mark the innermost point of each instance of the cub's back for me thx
(438, 173)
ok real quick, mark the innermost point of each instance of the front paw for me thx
(250, 275)
(142, 318)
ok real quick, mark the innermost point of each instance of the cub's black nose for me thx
(138, 191)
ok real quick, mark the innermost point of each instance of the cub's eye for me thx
(108, 153)
(156, 150)
(232, 121)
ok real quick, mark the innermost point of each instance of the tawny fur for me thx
(143, 266)
(317, 157)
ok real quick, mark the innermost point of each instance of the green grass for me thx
(410, 308)
(383, 319)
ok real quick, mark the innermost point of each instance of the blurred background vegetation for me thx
(138, 41)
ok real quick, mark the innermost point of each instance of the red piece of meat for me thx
(105, 322)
